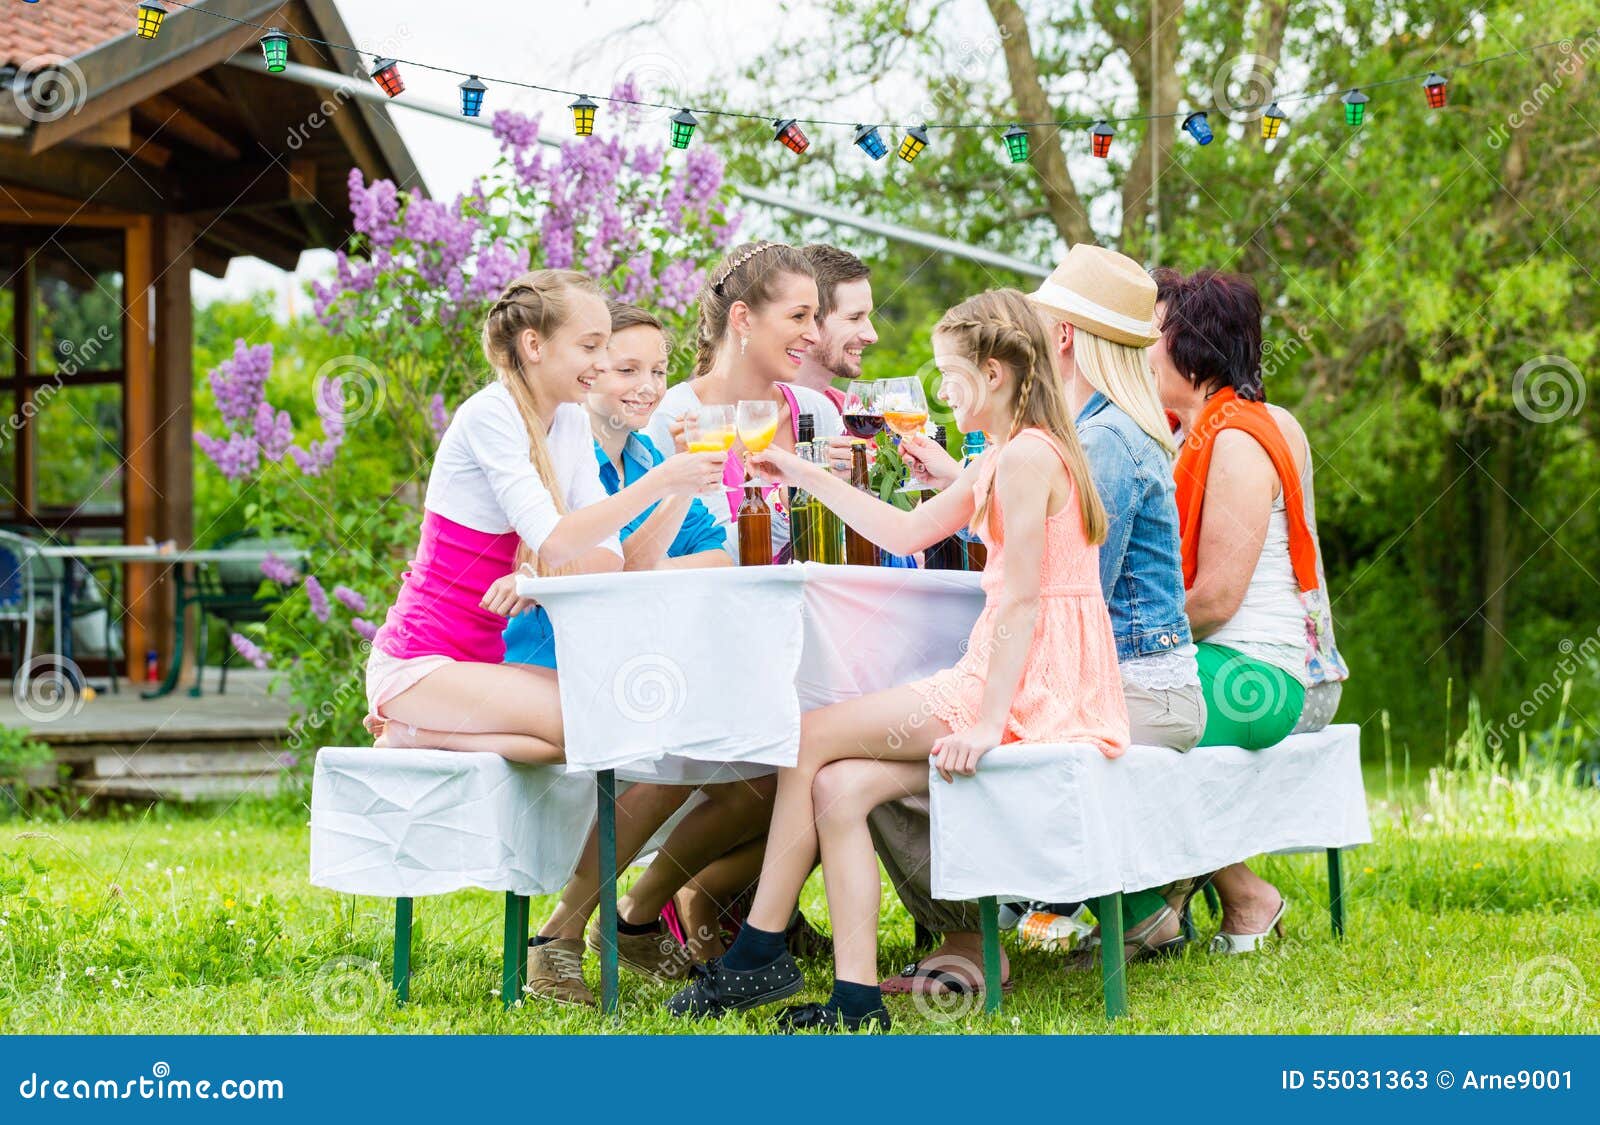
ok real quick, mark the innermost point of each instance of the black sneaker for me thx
(829, 1020)
(716, 990)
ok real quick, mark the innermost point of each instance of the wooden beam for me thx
(209, 260)
(139, 480)
(249, 187)
(114, 132)
(94, 175)
(147, 150)
(24, 205)
(234, 235)
(169, 120)
(180, 64)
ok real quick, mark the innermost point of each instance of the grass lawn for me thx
(1477, 909)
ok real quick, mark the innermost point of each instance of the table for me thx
(697, 676)
(188, 558)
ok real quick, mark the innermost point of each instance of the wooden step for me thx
(182, 787)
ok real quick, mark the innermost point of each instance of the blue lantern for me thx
(869, 140)
(472, 92)
(1198, 127)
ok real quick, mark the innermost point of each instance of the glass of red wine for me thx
(862, 417)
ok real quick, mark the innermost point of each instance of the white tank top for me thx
(1270, 624)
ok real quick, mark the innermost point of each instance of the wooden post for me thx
(174, 420)
(139, 484)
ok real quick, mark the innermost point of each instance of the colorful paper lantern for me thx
(916, 139)
(1016, 139)
(1355, 108)
(789, 135)
(870, 142)
(1100, 139)
(472, 92)
(1198, 126)
(1434, 85)
(386, 73)
(1272, 122)
(583, 116)
(683, 125)
(275, 46)
(150, 16)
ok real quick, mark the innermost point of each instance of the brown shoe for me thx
(657, 955)
(555, 972)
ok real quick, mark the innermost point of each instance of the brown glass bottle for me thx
(755, 529)
(858, 549)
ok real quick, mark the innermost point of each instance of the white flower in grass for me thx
(88, 971)
(232, 922)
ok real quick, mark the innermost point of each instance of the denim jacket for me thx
(1141, 565)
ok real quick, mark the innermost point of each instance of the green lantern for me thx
(275, 46)
(1016, 139)
(683, 125)
(1355, 108)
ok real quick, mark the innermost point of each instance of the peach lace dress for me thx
(1070, 690)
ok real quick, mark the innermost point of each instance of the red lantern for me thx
(789, 135)
(1435, 85)
(386, 73)
(1100, 139)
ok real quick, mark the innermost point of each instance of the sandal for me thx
(907, 982)
(1230, 944)
(1136, 943)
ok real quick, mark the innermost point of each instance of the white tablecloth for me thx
(700, 675)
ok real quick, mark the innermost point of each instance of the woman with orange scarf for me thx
(1251, 568)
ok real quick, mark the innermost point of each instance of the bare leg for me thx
(481, 699)
(888, 725)
(705, 899)
(1248, 900)
(844, 793)
(732, 814)
(516, 747)
(640, 811)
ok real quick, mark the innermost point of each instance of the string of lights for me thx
(788, 131)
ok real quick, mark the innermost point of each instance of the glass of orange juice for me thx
(905, 411)
(709, 429)
(757, 423)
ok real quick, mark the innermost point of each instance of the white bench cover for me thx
(404, 823)
(1064, 823)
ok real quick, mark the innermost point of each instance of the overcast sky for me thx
(578, 44)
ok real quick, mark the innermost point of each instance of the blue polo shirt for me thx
(529, 637)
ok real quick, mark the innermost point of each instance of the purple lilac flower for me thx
(374, 208)
(330, 409)
(318, 598)
(278, 570)
(679, 283)
(248, 649)
(274, 431)
(239, 457)
(364, 627)
(237, 383)
(637, 280)
(438, 416)
(351, 600)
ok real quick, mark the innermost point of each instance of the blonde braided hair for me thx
(1001, 325)
(539, 300)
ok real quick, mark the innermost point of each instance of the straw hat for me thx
(1102, 292)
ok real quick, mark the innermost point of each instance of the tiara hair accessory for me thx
(738, 264)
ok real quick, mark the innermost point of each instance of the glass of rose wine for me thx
(905, 411)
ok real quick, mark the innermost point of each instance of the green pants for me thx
(1249, 703)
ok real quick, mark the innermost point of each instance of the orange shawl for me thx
(1225, 410)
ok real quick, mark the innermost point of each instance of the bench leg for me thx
(514, 961)
(989, 913)
(606, 796)
(402, 950)
(1336, 892)
(1113, 974)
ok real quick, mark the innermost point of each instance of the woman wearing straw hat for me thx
(1098, 312)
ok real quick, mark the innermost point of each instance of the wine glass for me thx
(862, 416)
(757, 423)
(710, 429)
(905, 411)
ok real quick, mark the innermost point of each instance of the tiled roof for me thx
(62, 27)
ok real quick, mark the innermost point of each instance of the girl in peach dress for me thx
(1041, 665)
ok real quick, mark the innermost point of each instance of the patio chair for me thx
(23, 579)
(229, 591)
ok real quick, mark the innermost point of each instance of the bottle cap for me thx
(808, 428)
(939, 434)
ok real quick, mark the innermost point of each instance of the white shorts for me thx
(388, 676)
